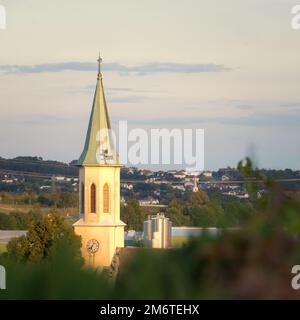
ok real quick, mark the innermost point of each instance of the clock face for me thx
(92, 246)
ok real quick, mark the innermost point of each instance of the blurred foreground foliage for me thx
(251, 262)
(60, 277)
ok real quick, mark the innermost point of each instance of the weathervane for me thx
(99, 66)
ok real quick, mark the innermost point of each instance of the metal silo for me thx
(158, 231)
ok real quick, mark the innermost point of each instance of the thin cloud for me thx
(116, 94)
(253, 120)
(291, 105)
(144, 69)
(126, 99)
(43, 119)
(111, 90)
(244, 107)
(120, 89)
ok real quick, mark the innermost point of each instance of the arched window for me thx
(106, 208)
(82, 197)
(93, 198)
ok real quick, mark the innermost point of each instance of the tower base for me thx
(106, 237)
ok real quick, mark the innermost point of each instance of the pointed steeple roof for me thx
(99, 147)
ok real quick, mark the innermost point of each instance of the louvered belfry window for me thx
(93, 198)
(106, 208)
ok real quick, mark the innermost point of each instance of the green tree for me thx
(42, 240)
(68, 200)
(5, 222)
(176, 214)
(209, 215)
(198, 199)
(45, 200)
(175, 203)
(131, 214)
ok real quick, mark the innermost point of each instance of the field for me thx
(7, 208)
(178, 242)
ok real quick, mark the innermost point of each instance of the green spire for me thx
(99, 147)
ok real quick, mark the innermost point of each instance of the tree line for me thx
(55, 199)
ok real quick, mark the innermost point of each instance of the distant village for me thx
(183, 181)
(151, 188)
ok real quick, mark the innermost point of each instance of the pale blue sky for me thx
(231, 67)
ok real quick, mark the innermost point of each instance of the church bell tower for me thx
(99, 225)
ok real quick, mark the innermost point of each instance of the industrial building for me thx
(157, 231)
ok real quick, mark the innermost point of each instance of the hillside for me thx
(39, 166)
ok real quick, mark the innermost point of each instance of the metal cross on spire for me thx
(99, 65)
